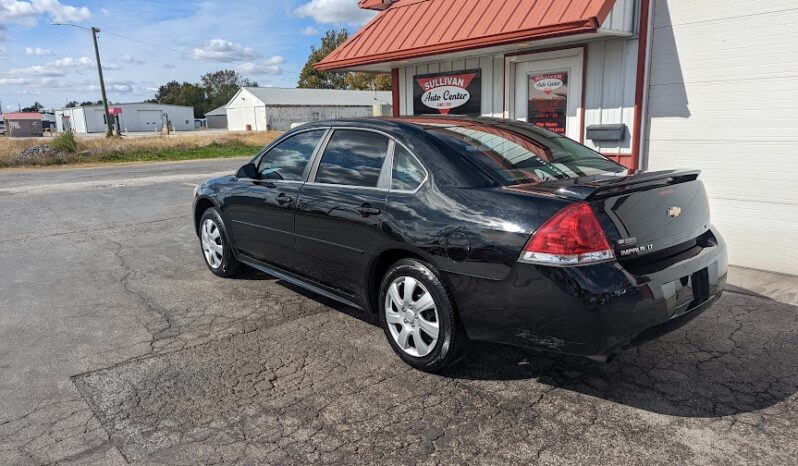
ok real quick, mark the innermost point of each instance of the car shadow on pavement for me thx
(736, 358)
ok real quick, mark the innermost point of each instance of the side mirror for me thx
(248, 171)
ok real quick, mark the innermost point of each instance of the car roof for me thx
(426, 122)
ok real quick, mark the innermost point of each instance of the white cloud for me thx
(130, 59)
(224, 50)
(262, 67)
(69, 62)
(37, 51)
(310, 31)
(3, 34)
(3, 53)
(28, 12)
(53, 69)
(116, 88)
(335, 12)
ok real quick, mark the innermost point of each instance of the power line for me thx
(182, 53)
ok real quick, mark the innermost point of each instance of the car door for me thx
(338, 215)
(261, 209)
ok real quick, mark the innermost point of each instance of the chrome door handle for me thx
(367, 210)
(283, 199)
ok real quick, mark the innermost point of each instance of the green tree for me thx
(311, 78)
(221, 86)
(191, 95)
(71, 104)
(35, 108)
(168, 93)
(361, 81)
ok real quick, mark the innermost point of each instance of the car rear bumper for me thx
(593, 311)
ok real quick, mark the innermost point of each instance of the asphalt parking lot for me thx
(118, 346)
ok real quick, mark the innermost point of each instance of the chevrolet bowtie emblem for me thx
(674, 211)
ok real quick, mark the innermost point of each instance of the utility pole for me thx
(109, 131)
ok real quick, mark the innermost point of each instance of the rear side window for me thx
(517, 157)
(408, 174)
(353, 158)
(288, 159)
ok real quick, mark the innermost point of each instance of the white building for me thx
(271, 108)
(705, 84)
(134, 117)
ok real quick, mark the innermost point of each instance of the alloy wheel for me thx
(212, 246)
(412, 316)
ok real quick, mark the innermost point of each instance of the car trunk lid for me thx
(641, 212)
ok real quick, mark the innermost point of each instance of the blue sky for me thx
(267, 40)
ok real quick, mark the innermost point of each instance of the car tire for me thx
(406, 318)
(215, 245)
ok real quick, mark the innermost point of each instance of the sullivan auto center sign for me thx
(453, 93)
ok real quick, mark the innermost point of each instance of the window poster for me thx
(548, 101)
(451, 93)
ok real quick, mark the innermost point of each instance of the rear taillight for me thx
(573, 236)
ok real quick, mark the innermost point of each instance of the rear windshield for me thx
(519, 157)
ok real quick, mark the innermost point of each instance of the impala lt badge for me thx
(674, 211)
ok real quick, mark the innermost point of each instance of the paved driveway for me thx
(117, 345)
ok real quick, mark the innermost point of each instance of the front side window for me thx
(287, 160)
(408, 174)
(353, 158)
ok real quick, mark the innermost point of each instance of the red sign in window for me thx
(548, 101)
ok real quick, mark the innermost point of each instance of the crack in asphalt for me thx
(253, 371)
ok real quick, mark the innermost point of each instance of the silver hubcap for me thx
(412, 316)
(212, 247)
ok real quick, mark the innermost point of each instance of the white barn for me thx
(134, 117)
(270, 108)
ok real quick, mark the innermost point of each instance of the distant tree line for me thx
(74, 103)
(311, 78)
(212, 91)
(35, 108)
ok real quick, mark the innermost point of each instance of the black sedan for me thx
(459, 229)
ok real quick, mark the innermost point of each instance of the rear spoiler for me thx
(603, 186)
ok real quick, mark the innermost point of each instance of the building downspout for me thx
(395, 91)
(642, 82)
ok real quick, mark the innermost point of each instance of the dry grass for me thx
(176, 147)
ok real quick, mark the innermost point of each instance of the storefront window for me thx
(548, 101)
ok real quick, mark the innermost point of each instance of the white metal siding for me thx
(611, 70)
(90, 119)
(621, 19)
(723, 97)
(492, 75)
(238, 118)
(610, 90)
(280, 118)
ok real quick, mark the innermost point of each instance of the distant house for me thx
(23, 124)
(217, 118)
(133, 117)
(271, 108)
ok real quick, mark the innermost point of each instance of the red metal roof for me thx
(374, 4)
(416, 28)
(22, 116)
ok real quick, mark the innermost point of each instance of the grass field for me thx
(102, 150)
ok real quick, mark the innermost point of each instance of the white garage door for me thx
(724, 98)
(149, 120)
